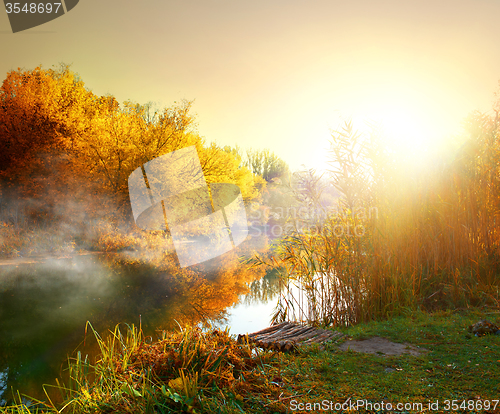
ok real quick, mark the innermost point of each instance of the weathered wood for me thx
(320, 338)
(289, 336)
(274, 334)
(284, 346)
(270, 329)
(285, 332)
(307, 335)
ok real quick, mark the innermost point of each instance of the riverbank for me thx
(453, 367)
(190, 371)
(45, 306)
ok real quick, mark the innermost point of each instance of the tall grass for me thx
(396, 241)
(184, 371)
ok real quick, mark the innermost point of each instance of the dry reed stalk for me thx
(434, 243)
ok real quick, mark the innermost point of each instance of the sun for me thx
(404, 127)
(409, 122)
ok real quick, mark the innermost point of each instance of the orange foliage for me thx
(60, 144)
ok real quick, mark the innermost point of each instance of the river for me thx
(46, 303)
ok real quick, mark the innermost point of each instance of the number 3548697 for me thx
(32, 7)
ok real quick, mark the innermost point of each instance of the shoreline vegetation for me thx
(410, 255)
(194, 371)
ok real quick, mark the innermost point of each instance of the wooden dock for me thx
(289, 336)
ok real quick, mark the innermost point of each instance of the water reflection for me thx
(262, 290)
(255, 308)
(44, 308)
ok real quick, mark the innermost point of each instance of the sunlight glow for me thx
(411, 131)
(411, 122)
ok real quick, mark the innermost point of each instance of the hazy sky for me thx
(279, 74)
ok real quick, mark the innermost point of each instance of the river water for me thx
(45, 305)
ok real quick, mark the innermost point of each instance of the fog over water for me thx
(44, 308)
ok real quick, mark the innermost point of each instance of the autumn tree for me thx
(43, 113)
(57, 137)
(40, 110)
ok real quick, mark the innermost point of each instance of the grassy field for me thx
(210, 373)
(457, 367)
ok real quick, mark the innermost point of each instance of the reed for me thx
(397, 242)
(187, 370)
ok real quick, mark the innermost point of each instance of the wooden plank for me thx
(262, 333)
(318, 339)
(278, 333)
(290, 332)
(306, 336)
(289, 336)
(270, 329)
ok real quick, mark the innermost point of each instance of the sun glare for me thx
(404, 127)
(410, 124)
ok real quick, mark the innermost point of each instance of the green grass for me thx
(457, 366)
(209, 373)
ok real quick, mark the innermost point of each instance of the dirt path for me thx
(381, 346)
